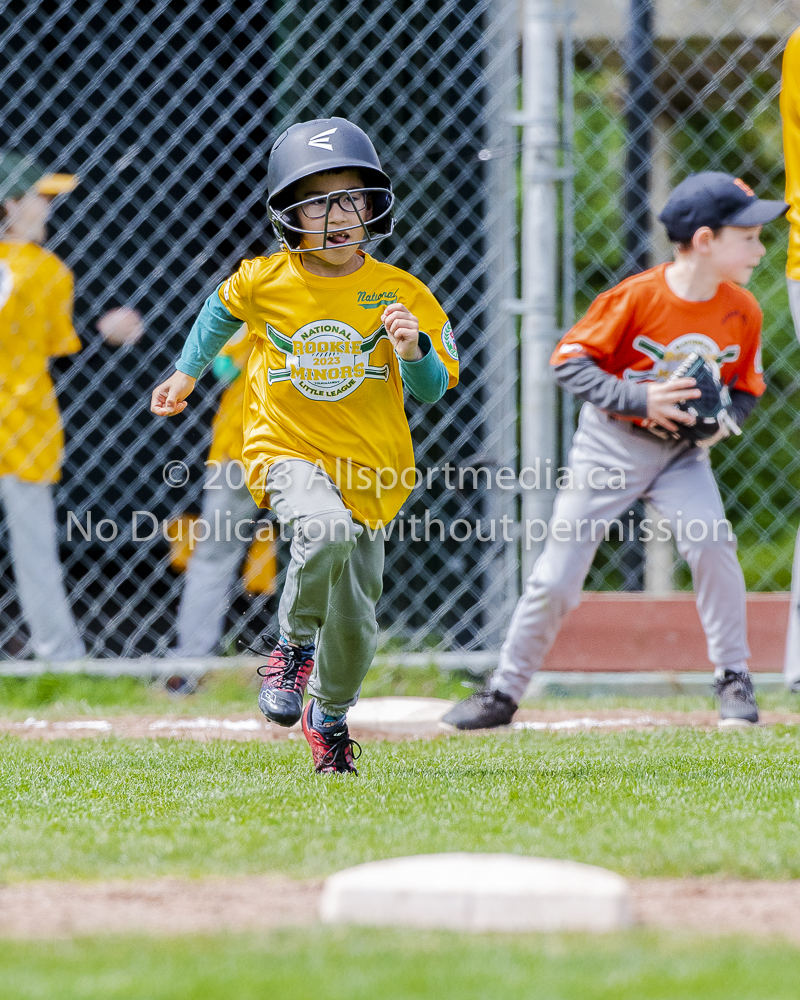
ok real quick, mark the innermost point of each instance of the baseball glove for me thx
(713, 422)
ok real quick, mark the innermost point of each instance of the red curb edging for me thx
(613, 632)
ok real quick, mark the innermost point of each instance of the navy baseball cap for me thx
(715, 199)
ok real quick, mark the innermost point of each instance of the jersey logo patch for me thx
(326, 360)
(667, 359)
(322, 140)
(375, 300)
(449, 341)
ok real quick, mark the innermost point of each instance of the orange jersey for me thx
(641, 330)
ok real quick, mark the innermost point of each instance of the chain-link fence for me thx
(167, 111)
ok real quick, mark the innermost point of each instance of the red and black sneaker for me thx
(285, 674)
(332, 751)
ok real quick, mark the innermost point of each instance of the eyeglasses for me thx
(351, 202)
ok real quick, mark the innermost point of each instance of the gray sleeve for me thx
(742, 405)
(584, 379)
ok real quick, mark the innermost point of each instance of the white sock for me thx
(738, 668)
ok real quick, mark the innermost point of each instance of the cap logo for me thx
(741, 185)
(322, 140)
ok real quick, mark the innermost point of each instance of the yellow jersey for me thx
(323, 381)
(228, 427)
(36, 292)
(790, 112)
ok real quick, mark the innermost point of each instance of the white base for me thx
(412, 716)
(478, 892)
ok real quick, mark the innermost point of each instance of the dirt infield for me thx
(155, 906)
(175, 906)
(245, 727)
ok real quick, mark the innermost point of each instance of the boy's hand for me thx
(403, 329)
(661, 400)
(168, 398)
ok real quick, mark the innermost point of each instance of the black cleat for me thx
(737, 702)
(483, 710)
(285, 674)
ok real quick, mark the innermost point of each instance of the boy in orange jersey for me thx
(327, 445)
(629, 444)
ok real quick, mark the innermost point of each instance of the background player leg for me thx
(554, 588)
(31, 518)
(791, 665)
(212, 568)
(582, 517)
(686, 494)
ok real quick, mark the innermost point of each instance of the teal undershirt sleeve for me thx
(225, 369)
(427, 378)
(212, 330)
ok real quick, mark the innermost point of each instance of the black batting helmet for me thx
(322, 146)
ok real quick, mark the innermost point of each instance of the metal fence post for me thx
(539, 119)
(639, 114)
(500, 391)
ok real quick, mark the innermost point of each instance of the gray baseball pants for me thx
(213, 564)
(791, 663)
(333, 582)
(678, 482)
(31, 519)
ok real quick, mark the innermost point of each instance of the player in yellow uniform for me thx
(228, 513)
(790, 111)
(36, 291)
(327, 445)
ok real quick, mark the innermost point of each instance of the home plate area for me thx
(391, 718)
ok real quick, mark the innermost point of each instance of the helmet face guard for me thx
(380, 224)
(326, 146)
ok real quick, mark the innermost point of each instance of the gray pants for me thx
(213, 564)
(791, 664)
(31, 520)
(679, 483)
(332, 584)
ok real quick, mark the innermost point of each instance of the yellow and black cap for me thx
(20, 174)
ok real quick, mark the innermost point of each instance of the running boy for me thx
(617, 359)
(326, 442)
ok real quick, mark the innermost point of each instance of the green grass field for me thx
(645, 804)
(665, 803)
(356, 964)
(61, 695)
(53, 696)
